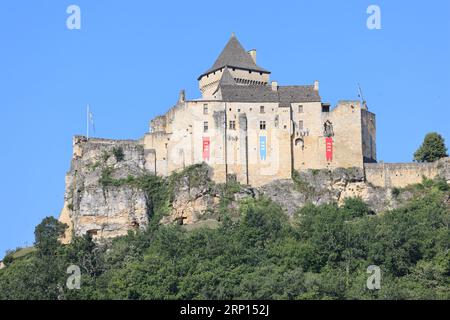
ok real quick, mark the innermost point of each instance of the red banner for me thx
(205, 148)
(329, 149)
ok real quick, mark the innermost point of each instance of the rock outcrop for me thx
(193, 196)
(323, 186)
(93, 206)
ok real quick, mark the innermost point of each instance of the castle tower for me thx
(239, 63)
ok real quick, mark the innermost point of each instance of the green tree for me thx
(432, 149)
(47, 233)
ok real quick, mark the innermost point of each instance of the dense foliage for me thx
(432, 149)
(322, 253)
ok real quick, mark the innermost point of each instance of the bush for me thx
(395, 192)
(355, 207)
(118, 154)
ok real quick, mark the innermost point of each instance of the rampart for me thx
(399, 175)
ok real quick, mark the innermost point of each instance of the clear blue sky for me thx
(131, 58)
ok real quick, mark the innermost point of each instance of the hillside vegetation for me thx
(321, 253)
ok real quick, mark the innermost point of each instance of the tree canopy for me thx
(321, 253)
(432, 149)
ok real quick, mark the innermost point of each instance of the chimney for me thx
(316, 85)
(274, 86)
(252, 54)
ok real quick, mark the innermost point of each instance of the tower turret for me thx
(239, 63)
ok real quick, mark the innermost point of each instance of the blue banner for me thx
(262, 147)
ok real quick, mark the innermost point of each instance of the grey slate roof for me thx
(284, 95)
(234, 56)
(227, 78)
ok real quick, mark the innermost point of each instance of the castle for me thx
(246, 129)
(255, 131)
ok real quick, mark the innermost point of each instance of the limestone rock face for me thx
(193, 196)
(100, 209)
(323, 186)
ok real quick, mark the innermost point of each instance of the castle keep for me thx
(255, 131)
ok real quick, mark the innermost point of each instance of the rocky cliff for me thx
(91, 205)
(109, 192)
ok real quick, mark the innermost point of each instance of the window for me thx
(300, 109)
(262, 125)
(205, 109)
(205, 126)
(300, 125)
(232, 125)
(261, 109)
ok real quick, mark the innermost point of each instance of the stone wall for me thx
(176, 140)
(399, 175)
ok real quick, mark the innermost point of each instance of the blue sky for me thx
(131, 58)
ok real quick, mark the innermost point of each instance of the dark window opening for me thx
(262, 125)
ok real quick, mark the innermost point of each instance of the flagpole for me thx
(87, 122)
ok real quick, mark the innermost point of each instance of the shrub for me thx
(118, 153)
(395, 192)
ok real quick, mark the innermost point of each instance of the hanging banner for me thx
(262, 147)
(205, 148)
(329, 149)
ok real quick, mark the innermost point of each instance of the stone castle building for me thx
(256, 131)
(245, 128)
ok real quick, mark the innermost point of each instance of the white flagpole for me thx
(87, 122)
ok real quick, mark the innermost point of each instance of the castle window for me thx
(205, 126)
(300, 125)
(232, 125)
(205, 109)
(300, 109)
(261, 109)
(262, 125)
